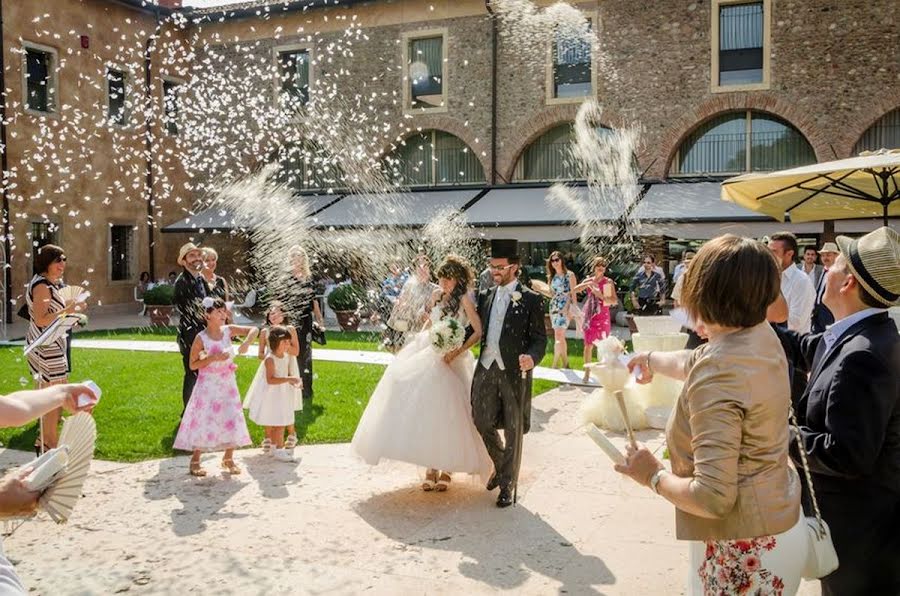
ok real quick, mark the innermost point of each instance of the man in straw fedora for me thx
(849, 415)
(821, 316)
(190, 289)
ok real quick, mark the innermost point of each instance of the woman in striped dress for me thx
(49, 364)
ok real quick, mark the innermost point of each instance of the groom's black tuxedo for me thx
(502, 398)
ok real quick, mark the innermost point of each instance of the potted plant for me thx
(344, 300)
(158, 301)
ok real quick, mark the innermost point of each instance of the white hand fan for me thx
(79, 433)
(73, 294)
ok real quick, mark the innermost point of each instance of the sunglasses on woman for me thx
(61, 259)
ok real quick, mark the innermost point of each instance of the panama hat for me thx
(874, 260)
(184, 250)
(829, 247)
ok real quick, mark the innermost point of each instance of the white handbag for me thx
(821, 558)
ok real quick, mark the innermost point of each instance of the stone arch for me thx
(676, 134)
(876, 111)
(548, 119)
(450, 125)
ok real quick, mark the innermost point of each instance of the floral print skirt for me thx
(761, 566)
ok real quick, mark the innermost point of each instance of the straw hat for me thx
(874, 260)
(829, 247)
(184, 250)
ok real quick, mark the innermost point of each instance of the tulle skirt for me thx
(421, 413)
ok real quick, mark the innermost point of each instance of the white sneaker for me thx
(286, 455)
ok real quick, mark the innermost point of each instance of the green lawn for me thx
(138, 415)
(337, 340)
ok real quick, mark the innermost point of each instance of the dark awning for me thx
(530, 206)
(398, 209)
(691, 202)
(223, 219)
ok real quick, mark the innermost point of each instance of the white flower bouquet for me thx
(447, 335)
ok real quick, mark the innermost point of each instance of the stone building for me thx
(476, 113)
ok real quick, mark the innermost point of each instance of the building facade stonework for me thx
(833, 71)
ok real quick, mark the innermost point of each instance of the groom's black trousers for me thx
(497, 403)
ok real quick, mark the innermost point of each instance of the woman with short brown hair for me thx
(736, 495)
(49, 363)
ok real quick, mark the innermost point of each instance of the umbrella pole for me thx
(885, 215)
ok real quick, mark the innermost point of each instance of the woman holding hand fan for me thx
(421, 410)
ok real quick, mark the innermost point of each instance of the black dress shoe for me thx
(493, 483)
(505, 497)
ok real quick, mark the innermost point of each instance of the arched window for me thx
(884, 134)
(433, 158)
(743, 142)
(550, 156)
(306, 166)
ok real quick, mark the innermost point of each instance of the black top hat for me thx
(504, 249)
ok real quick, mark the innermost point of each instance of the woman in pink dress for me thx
(214, 419)
(601, 294)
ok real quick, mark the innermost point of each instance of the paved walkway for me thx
(331, 524)
(354, 356)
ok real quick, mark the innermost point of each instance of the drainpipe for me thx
(7, 215)
(148, 141)
(487, 5)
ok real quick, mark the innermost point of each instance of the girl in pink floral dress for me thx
(214, 419)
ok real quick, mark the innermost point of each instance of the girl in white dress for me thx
(272, 404)
(421, 410)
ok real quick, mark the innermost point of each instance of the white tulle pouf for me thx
(600, 407)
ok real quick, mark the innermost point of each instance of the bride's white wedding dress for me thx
(421, 411)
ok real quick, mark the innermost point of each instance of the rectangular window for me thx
(115, 93)
(120, 252)
(40, 80)
(170, 107)
(44, 232)
(425, 64)
(741, 34)
(572, 62)
(294, 75)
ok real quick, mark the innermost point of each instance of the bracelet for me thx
(649, 368)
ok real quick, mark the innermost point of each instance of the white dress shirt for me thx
(491, 353)
(800, 296)
(834, 332)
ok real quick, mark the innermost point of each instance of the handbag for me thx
(318, 334)
(821, 558)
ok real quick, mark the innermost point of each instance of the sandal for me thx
(229, 466)
(196, 469)
(430, 479)
(444, 483)
(290, 442)
(266, 446)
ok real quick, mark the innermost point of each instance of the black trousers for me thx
(648, 307)
(864, 530)
(190, 376)
(497, 402)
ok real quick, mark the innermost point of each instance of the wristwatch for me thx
(654, 480)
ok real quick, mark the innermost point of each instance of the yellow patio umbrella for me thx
(863, 186)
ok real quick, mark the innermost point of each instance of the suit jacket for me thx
(189, 293)
(818, 273)
(523, 333)
(821, 314)
(849, 415)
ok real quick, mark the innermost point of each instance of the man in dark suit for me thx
(190, 289)
(849, 415)
(821, 316)
(513, 343)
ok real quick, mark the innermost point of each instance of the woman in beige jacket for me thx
(736, 495)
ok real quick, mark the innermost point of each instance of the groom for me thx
(513, 343)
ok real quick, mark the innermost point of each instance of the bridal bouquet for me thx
(447, 335)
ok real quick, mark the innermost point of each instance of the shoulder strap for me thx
(809, 482)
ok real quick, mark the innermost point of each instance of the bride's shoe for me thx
(430, 480)
(444, 483)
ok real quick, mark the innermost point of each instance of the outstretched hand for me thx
(641, 360)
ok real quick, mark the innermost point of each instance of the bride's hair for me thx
(456, 268)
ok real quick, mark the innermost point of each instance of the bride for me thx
(421, 410)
